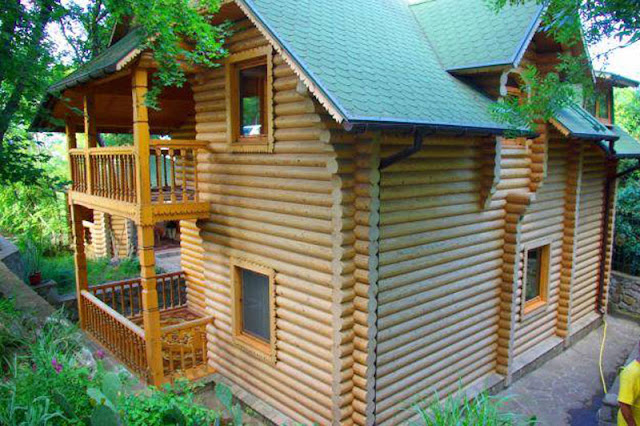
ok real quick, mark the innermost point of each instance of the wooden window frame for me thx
(234, 64)
(608, 97)
(252, 344)
(542, 299)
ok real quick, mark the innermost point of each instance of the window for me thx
(536, 276)
(253, 313)
(253, 86)
(249, 84)
(602, 106)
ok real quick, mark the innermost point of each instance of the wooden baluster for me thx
(196, 197)
(131, 300)
(183, 159)
(171, 290)
(158, 176)
(121, 287)
(122, 179)
(172, 163)
(163, 153)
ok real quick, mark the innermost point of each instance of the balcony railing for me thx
(111, 172)
(125, 297)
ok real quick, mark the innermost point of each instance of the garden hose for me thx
(604, 338)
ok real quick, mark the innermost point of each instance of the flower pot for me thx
(35, 278)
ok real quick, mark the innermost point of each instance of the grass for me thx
(460, 410)
(61, 269)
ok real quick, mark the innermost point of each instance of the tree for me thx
(627, 110)
(568, 22)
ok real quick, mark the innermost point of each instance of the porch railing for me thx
(119, 335)
(111, 172)
(125, 297)
(184, 347)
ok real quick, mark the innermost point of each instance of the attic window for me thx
(603, 107)
(249, 87)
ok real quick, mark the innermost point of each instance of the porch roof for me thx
(627, 146)
(577, 122)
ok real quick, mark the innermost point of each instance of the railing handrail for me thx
(103, 286)
(132, 281)
(76, 151)
(178, 143)
(112, 150)
(113, 313)
(187, 324)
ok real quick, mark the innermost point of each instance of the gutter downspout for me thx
(610, 180)
(418, 136)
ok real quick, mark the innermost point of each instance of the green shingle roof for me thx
(581, 124)
(372, 60)
(627, 145)
(103, 64)
(469, 34)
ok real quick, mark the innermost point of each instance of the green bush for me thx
(460, 410)
(61, 269)
(54, 380)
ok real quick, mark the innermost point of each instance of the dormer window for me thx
(603, 107)
(249, 101)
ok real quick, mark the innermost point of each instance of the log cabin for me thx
(358, 232)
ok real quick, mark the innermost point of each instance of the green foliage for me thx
(178, 32)
(174, 404)
(460, 410)
(60, 268)
(596, 19)
(54, 380)
(34, 213)
(224, 395)
(627, 110)
(542, 97)
(10, 327)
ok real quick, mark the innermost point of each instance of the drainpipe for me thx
(611, 178)
(418, 136)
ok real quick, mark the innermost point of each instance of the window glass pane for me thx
(255, 304)
(534, 266)
(603, 105)
(252, 91)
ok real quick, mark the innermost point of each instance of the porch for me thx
(148, 322)
(112, 314)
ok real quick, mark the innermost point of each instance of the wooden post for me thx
(150, 313)
(91, 135)
(80, 258)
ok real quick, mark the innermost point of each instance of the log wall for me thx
(589, 234)
(290, 210)
(544, 219)
(439, 273)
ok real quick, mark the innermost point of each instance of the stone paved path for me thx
(169, 260)
(567, 390)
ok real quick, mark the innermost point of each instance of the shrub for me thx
(460, 410)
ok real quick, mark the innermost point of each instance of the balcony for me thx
(106, 178)
(113, 316)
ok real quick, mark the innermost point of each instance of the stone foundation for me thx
(624, 293)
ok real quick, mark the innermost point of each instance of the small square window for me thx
(253, 313)
(249, 87)
(536, 276)
(255, 304)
